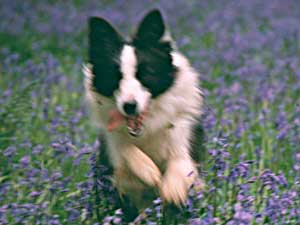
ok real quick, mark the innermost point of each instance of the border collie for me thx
(145, 96)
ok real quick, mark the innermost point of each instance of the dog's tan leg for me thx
(179, 177)
(130, 186)
(141, 165)
(136, 175)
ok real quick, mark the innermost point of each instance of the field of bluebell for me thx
(248, 53)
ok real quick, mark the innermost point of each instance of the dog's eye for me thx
(155, 79)
(146, 74)
(145, 70)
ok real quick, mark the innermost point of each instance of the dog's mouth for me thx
(135, 124)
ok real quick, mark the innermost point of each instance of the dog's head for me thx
(133, 72)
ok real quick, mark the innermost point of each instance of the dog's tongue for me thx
(134, 124)
(115, 120)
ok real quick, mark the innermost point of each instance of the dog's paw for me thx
(149, 173)
(174, 191)
(143, 167)
(177, 181)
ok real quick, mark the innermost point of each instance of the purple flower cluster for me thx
(248, 53)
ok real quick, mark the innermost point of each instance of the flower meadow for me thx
(248, 53)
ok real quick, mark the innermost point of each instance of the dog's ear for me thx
(104, 41)
(151, 29)
(105, 46)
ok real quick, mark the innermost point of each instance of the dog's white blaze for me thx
(128, 62)
(130, 89)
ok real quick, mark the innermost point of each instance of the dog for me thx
(145, 97)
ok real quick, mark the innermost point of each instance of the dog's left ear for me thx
(151, 29)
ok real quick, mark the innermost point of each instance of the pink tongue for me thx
(115, 120)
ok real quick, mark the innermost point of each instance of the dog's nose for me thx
(130, 108)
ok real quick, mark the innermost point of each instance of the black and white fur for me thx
(149, 71)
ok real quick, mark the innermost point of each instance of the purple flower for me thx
(35, 194)
(37, 149)
(241, 216)
(24, 161)
(10, 151)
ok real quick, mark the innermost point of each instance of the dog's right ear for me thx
(104, 41)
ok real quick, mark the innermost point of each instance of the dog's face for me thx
(134, 72)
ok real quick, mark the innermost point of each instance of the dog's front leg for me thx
(181, 173)
(134, 173)
(141, 165)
